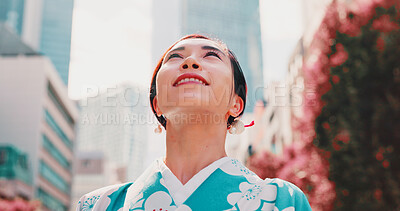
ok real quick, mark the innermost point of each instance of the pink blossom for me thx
(18, 204)
(384, 24)
(339, 57)
(343, 136)
(363, 11)
(335, 79)
(387, 3)
(350, 27)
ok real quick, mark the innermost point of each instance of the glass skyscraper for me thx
(45, 25)
(55, 36)
(12, 13)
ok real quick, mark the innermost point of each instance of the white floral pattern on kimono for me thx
(223, 185)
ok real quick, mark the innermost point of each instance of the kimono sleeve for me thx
(103, 198)
(290, 197)
(87, 201)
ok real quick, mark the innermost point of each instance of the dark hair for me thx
(240, 85)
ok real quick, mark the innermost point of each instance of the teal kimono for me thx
(223, 185)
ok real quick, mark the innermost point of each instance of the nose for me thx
(190, 63)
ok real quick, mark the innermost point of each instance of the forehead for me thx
(199, 42)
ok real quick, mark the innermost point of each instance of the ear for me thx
(237, 106)
(155, 105)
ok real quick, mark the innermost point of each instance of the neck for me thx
(192, 147)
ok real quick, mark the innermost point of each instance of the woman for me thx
(198, 92)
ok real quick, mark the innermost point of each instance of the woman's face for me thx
(195, 77)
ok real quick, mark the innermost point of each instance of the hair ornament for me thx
(251, 124)
(237, 127)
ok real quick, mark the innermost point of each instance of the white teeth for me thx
(190, 79)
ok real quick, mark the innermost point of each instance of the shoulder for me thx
(288, 195)
(233, 167)
(105, 197)
(271, 194)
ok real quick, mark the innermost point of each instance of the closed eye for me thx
(174, 55)
(212, 53)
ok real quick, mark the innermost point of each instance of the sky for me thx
(111, 43)
(281, 28)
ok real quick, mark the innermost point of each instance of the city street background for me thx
(323, 82)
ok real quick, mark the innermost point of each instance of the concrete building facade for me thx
(15, 173)
(284, 105)
(38, 118)
(277, 117)
(115, 123)
(91, 172)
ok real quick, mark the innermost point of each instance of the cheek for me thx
(163, 84)
(164, 78)
(222, 89)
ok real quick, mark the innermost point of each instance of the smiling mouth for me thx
(190, 81)
(190, 78)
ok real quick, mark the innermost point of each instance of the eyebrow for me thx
(207, 47)
(177, 49)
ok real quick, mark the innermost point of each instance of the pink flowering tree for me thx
(357, 120)
(303, 165)
(19, 204)
(348, 156)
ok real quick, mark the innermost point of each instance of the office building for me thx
(45, 25)
(284, 107)
(115, 122)
(15, 173)
(273, 130)
(37, 118)
(283, 110)
(12, 13)
(55, 35)
(91, 172)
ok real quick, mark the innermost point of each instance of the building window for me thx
(55, 179)
(86, 163)
(22, 162)
(49, 201)
(50, 121)
(55, 153)
(60, 107)
(3, 156)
